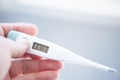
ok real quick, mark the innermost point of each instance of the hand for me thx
(34, 68)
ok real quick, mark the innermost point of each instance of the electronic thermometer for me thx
(41, 47)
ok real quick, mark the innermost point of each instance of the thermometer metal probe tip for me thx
(112, 70)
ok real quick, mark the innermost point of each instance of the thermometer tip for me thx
(112, 70)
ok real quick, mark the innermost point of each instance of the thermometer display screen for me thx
(40, 47)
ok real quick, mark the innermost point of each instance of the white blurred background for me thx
(91, 28)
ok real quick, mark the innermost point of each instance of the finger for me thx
(22, 27)
(33, 56)
(45, 75)
(33, 66)
(16, 49)
(4, 63)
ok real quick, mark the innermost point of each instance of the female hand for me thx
(35, 68)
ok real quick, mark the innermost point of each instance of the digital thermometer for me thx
(41, 47)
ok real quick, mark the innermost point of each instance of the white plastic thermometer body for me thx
(50, 50)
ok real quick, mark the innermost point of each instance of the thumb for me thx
(15, 48)
(8, 49)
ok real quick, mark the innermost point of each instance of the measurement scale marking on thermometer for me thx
(50, 50)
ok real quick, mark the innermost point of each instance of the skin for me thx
(31, 67)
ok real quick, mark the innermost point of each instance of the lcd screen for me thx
(40, 47)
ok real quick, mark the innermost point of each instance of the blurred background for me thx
(91, 28)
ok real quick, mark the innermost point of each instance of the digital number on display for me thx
(40, 47)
